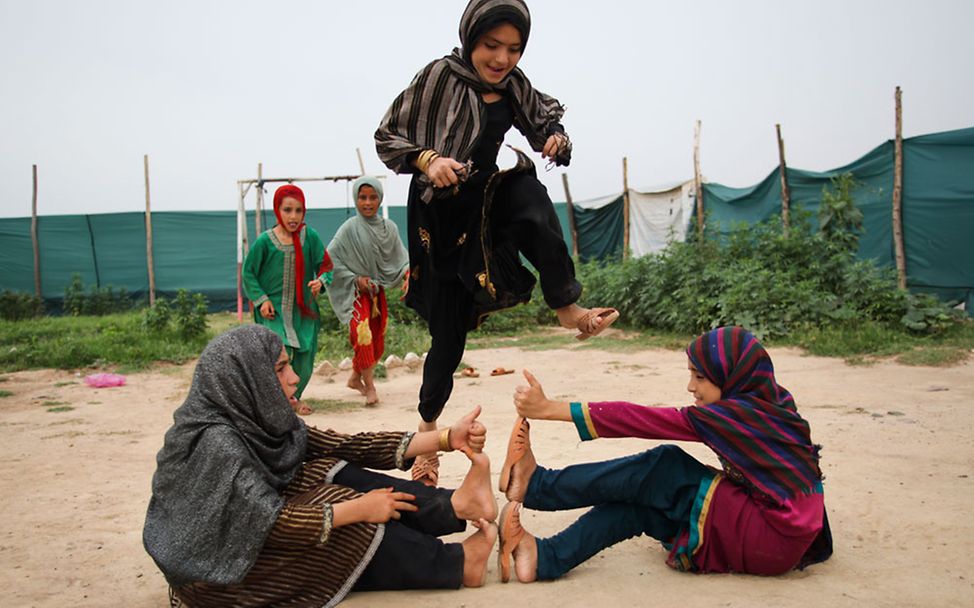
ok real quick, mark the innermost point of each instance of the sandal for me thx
(469, 372)
(500, 371)
(426, 469)
(517, 446)
(607, 316)
(511, 533)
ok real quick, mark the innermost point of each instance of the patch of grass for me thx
(4, 378)
(60, 408)
(84, 341)
(936, 356)
(60, 384)
(331, 406)
(53, 403)
(5, 393)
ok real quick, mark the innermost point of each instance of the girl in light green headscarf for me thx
(369, 257)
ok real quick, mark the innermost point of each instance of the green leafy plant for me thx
(15, 306)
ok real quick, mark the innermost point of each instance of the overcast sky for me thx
(210, 88)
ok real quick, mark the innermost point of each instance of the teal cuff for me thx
(327, 277)
(578, 417)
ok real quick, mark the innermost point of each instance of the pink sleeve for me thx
(623, 419)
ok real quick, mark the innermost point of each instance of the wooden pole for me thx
(259, 216)
(625, 207)
(898, 194)
(785, 193)
(148, 235)
(241, 245)
(33, 237)
(361, 165)
(570, 208)
(697, 180)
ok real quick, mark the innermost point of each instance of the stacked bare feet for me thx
(474, 501)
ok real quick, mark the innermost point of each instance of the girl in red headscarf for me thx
(282, 277)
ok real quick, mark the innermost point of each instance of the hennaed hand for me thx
(382, 504)
(468, 432)
(443, 172)
(530, 400)
(315, 286)
(267, 310)
(553, 145)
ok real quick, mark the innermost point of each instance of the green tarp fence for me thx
(938, 211)
(197, 250)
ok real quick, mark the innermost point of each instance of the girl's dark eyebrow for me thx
(498, 42)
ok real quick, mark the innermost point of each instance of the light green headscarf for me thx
(364, 247)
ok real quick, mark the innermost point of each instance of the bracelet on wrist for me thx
(445, 440)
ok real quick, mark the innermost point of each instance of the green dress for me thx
(268, 274)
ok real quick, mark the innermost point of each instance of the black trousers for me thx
(410, 556)
(521, 213)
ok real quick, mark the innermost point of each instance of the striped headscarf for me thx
(755, 428)
(441, 108)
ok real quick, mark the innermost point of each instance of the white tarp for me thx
(658, 217)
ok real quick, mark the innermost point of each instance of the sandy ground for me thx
(898, 458)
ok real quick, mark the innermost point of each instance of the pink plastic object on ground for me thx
(105, 380)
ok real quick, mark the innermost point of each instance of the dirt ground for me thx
(898, 458)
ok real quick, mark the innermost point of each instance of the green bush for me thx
(187, 313)
(15, 306)
(97, 301)
(760, 278)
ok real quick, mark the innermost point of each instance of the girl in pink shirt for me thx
(762, 513)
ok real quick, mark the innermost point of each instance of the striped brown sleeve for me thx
(374, 450)
(301, 525)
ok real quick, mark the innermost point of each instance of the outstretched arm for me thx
(606, 418)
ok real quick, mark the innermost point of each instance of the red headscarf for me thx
(296, 193)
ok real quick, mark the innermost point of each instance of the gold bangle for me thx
(425, 159)
(445, 440)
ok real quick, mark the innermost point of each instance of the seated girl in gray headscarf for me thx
(369, 257)
(251, 507)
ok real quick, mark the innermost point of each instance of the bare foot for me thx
(355, 382)
(526, 559)
(474, 499)
(521, 474)
(476, 552)
(371, 397)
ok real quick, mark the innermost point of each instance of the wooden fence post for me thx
(570, 208)
(33, 237)
(697, 180)
(259, 215)
(148, 235)
(785, 193)
(625, 208)
(898, 194)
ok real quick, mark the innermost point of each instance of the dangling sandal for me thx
(510, 532)
(517, 446)
(607, 316)
(426, 469)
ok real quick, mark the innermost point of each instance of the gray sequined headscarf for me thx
(234, 446)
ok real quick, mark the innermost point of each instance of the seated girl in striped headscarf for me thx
(762, 513)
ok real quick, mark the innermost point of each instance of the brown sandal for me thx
(469, 372)
(500, 371)
(511, 533)
(607, 316)
(426, 469)
(517, 446)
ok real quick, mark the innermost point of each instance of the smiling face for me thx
(292, 213)
(497, 53)
(367, 201)
(704, 391)
(285, 374)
